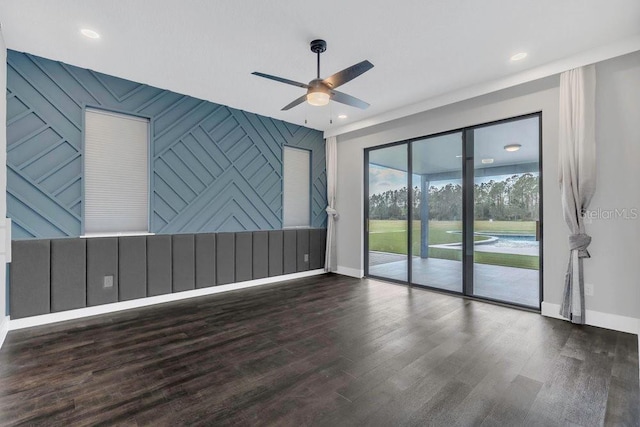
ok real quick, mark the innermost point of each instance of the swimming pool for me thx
(504, 240)
(509, 236)
(507, 240)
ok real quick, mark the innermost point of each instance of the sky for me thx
(383, 179)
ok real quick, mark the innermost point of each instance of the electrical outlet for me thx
(588, 289)
(306, 257)
(107, 282)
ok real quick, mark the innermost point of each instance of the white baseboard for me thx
(352, 272)
(62, 316)
(599, 319)
(4, 328)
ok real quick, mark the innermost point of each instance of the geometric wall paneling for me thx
(132, 267)
(102, 270)
(68, 274)
(214, 168)
(289, 253)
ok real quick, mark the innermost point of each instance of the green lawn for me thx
(391, 236)
(515, 227)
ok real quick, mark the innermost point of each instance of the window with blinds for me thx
(116, 175)
(296, 188)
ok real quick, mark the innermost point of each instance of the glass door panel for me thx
(506, 212)
(459, 211)
(437, 212)
(388, 213)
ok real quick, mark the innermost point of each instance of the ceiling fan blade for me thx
(295, 102)
(348, 74)
(281, 80)
(343, 98)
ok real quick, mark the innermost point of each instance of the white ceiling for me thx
(421, 49)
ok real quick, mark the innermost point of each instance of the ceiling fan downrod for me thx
(318, 46)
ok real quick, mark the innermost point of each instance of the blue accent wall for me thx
(213, 168)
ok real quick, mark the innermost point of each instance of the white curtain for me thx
(577, 177)
(331, 146)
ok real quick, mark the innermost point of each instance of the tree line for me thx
(514, 199)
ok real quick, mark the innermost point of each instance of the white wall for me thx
(615, 266)
(4, 321)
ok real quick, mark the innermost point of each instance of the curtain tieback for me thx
(580, 242)
(332, 212)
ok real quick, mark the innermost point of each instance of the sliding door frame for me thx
(366, 213)
(468, 204)
(468, 208)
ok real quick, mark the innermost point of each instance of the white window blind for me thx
(115, 173)
(296, 188)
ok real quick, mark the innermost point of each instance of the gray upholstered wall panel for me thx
(205, 260)
(102, 271)
(132, 267)
(225, 254)
(64, 274)
(158, 265)
(260, 254)
(244, 256)
(317, 247)
(275, 253)
(184, 262)
(68, 274)
(302, 250)
(30, 278)
(289, 252)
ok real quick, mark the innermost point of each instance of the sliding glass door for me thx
(459, 211)
(437, 215)
(507, 212)
(388, 214)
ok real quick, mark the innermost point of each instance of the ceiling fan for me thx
(320, 91)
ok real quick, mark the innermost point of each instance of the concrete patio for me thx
(509, 284)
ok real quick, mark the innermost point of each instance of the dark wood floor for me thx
(327, 350)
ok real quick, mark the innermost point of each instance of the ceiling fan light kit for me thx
(319, 91)
(318, 98)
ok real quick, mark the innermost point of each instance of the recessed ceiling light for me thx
(518, 56)
(342, 116)
(459, 155)
(487, 161)
(89, 33)
(512, 147)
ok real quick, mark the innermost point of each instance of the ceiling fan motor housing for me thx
(317, 85)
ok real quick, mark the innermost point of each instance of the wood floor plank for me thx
(327, 350)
